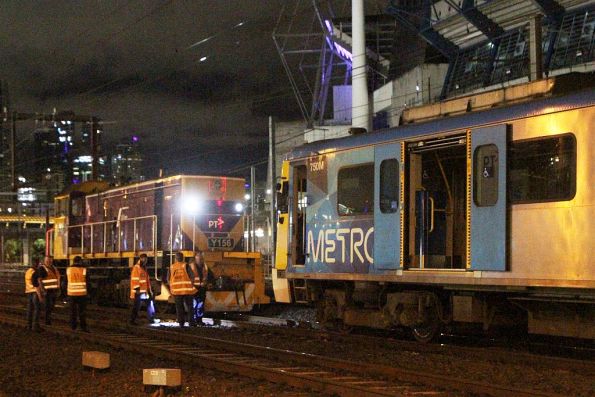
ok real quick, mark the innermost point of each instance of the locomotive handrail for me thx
(105, 250)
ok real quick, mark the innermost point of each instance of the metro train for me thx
(110, 227)
(477, 210)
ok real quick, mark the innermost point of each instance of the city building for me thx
(126, 162)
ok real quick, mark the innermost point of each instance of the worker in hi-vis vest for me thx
(180, 278)
(51, 284)
(76, 289)
(34, 292)
(140, 290)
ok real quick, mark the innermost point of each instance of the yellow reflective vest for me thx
(179, 281)
(139, 278)
(52, 280)
(29, 287)
(77, 281)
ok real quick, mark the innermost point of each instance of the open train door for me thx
(387, 206)
(488, 234)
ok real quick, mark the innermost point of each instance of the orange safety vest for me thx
(139, 278)
(179, 281)
(52, 280)
(77, 281)
(29, 288)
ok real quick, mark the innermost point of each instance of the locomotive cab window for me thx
(389, 186)
(61, 207)
(355, 190)
(542, 169)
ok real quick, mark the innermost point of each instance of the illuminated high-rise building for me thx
(126, 162)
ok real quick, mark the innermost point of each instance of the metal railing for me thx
(114, 236)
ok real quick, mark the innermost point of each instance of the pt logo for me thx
(216, 223)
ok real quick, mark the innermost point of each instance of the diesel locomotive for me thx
(110, 227)
(477, 210)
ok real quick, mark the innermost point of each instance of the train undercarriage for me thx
(426, 311)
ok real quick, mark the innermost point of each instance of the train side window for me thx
(389, 186)
(355, 190)
(542, 169)
(485, 169)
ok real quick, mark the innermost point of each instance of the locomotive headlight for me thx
(239, 207)
(191, 205)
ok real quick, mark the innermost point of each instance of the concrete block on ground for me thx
(170, 377)
(96, 360)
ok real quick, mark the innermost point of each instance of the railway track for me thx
(313, 372)
(567, 357)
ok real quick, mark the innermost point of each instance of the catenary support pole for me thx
(272, 187)
(252, 207)
(360, 113)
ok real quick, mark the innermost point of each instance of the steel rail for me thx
(216, 346)
(303, 377)
(375, 370)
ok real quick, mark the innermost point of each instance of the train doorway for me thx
(298, 215)
(436, 199)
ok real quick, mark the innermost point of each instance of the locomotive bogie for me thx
(482, 218)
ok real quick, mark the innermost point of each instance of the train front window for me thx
(542, 169)
(355, 190)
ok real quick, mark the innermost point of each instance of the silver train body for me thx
(485, 217)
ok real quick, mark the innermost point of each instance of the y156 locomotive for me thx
(484, 217)
(110, 227)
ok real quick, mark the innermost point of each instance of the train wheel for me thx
(429, 330)
(326, 312)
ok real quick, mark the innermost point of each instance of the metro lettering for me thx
(332, 245)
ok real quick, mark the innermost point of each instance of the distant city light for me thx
(268, 191)
(84, 159)
(22, 179)
(259, 232)
(247, 197)
(26, 194)
(135, 138)
(202, 59)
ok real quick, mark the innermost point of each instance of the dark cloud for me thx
(133, 64)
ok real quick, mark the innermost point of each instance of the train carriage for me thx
(110, 227)
(484, 217)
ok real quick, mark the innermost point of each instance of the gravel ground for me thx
(125, 381)
(481, 369)
(41, 364)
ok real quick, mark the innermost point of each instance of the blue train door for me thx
(387, 206)
(488, 204)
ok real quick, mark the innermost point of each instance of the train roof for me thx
(450, 124)
(163, 180)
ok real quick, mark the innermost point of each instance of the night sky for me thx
(139, 65)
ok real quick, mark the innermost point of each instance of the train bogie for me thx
(480, 218)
